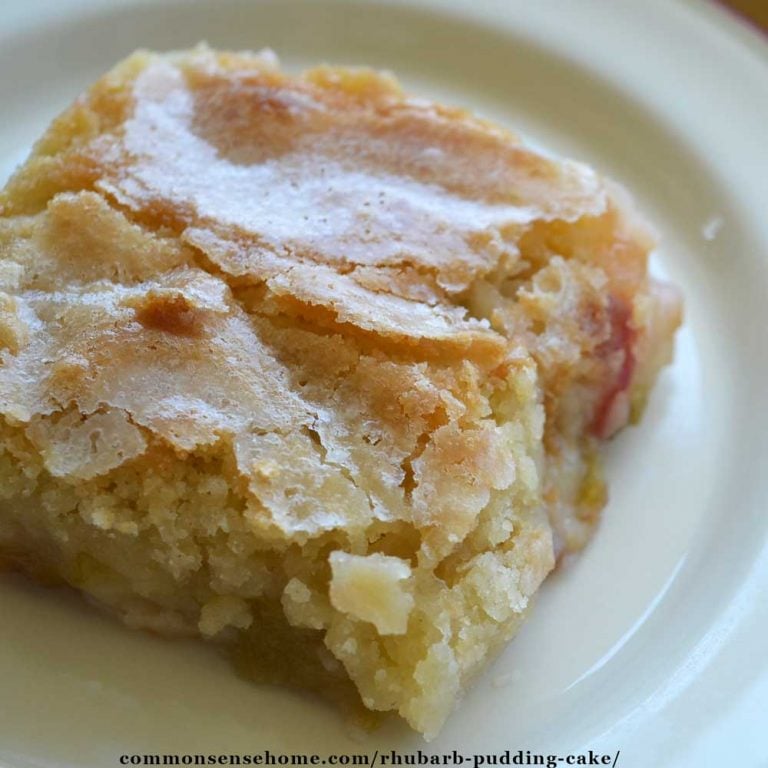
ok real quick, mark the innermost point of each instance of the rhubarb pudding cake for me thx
(312, 368)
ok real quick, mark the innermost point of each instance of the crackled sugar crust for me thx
(312, 368)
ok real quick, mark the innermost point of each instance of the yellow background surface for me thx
(755, 10)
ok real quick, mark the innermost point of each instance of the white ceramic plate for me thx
(654, 641)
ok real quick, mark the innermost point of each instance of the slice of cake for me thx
(311, 368)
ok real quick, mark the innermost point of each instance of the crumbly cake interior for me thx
(312, 368)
